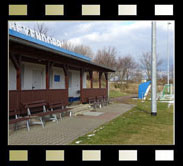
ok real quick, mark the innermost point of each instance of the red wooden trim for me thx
(81, 85)
(66, 82)
(30, 52)
(18, 78)
(107, 84)
(106, 77)
(91, 78)
(47, 76)
(90, 89)
(14, 61)
(100, 82)
(65, 69)
(17, 97)
(93, 93)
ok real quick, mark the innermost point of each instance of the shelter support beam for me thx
(17, 64)
(81, 85)
(91, 78)
(100, 81)
(107, 86)
(14, 61)
(48, 68)
(65, 68)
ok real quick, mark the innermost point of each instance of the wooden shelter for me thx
(41, 71)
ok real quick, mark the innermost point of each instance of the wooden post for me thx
(91, 79)
(17, 64)
(18, 76)
(19, 73)
(106, 78)
(81, 85)
(47, 75)
(65, 68)
(14, 61)
(100, 76)
(48, 69)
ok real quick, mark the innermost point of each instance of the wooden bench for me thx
(106, 100)
(58, 107)
(14, 118)
(92, 101)
(37, 110)
(100, 101)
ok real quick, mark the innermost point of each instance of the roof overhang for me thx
(54, 50)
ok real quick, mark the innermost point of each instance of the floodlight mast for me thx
(153, 71)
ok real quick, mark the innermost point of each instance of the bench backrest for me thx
(34, 102)
(99, 97)
(36, 106)
(56, 105)
(105, 97)
(13, 113)
(91, 100)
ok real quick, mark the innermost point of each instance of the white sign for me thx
(30, 32)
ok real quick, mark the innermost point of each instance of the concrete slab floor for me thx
(66, 130)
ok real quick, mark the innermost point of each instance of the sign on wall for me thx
(57, 78)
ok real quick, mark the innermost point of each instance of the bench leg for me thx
(15, 126)
(95, 105)
(70, 113)
(60, 115)
(103, 102)
(56, 117)
(42, 123)
(28, 127)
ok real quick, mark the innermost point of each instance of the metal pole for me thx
(173, 62)
(168, 73)
(153, 71)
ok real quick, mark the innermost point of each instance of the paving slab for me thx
(93, 113)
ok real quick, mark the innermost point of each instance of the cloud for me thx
(128, 37)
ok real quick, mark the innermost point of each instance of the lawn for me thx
(135, 127)
(114, 93)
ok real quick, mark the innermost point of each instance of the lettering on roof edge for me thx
(32, 33)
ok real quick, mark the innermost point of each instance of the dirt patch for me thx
(106, 116)
(123, 99)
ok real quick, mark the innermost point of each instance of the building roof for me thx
(28, 40)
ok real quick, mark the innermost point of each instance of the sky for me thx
(128, 37)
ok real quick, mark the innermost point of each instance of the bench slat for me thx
(12, 121)
(35, 105)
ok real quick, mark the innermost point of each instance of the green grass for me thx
(113, 94)
(135, 127)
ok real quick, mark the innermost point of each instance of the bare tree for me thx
(67, 45)
(106, 57)
(41, 28)
(138, 76)
(126, 68)
(84, 50)
(80, 49)
(145, 64)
